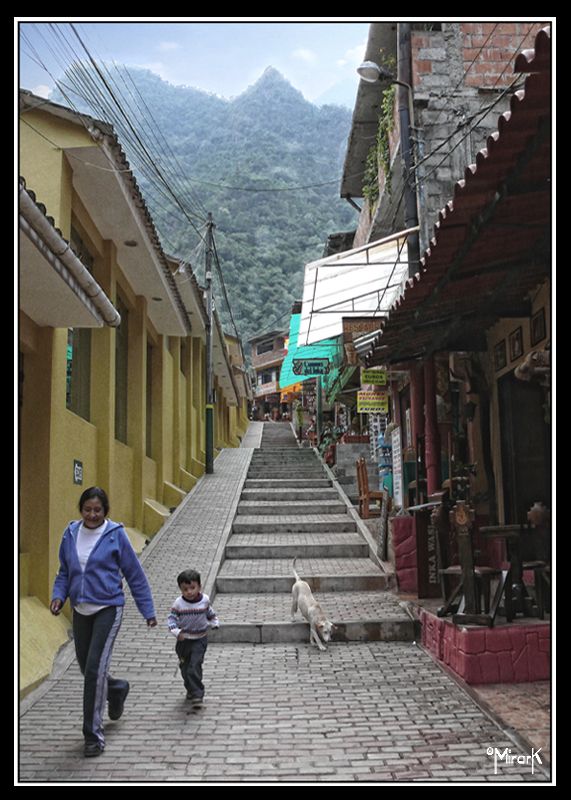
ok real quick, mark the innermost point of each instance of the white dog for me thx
(320, 628)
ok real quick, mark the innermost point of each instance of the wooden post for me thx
(432, 438)
(462, 519)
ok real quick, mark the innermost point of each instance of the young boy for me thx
(190, 617)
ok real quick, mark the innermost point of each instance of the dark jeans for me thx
(190, 654)
(94, 637)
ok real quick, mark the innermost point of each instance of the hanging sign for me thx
(369, 402)
(373, 377)
(310, 367)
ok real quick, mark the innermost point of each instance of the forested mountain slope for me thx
(260, 146)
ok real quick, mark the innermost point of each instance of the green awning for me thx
(331, 349)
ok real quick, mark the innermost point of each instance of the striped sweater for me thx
(193, 619)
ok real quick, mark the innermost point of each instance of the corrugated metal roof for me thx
(362, 282)
(491, 243)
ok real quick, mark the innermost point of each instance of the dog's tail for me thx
(294, 572)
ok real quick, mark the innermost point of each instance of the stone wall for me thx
(514, 653)
(346, 472)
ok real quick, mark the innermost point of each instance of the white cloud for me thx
(354, 56)
(303, 54)
(167, 47)
(42, 90)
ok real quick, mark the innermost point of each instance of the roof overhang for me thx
(491, 245)
(108, 190)
(55, 288)
(105, 187)
(222, 365)
(192, 295)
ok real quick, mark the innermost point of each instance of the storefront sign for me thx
(369, 402)
(310, 367)
(398, 489)
(373, 377)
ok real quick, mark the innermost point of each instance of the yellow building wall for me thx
(122, 477)
(52, 436)
(43, 163)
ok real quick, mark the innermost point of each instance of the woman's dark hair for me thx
(94, 492)
(188, 576)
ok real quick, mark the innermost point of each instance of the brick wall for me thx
(489, 50)
(459, 73)
(507, 654)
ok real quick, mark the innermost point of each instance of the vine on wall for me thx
(379, 156)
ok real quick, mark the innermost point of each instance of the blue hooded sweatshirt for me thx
(101, 583)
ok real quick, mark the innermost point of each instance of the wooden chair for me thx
(366, 496)
(465, 602)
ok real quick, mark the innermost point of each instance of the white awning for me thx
(364, 282)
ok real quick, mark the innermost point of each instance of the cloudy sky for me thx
(318, 57)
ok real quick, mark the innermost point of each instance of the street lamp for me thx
(371, 72)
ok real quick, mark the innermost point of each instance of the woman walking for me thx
(95, 553)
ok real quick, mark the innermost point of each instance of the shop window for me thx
(265, 347)
(78, 371)
(149, 402)
(184, 358)
(267, 376)
(78, 355)
(121, 372)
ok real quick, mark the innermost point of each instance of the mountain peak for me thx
(270, 86)
(271, 74)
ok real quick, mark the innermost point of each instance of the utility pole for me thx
(405, 111)
(209, 376)
(319, 409)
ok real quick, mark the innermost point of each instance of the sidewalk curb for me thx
(521, 741)
(362, 528)
(209, 582)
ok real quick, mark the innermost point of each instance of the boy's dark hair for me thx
(92, 493)
(188, 576)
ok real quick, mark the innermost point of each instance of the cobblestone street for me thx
(360, 711)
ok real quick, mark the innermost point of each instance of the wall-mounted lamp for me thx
(371, 72)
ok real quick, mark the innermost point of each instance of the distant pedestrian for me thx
(95, 553)
(189, 620)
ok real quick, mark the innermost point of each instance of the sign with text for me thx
(373, 377)
(78, 472)
(398, 488)
(310, 367)
(369, 402)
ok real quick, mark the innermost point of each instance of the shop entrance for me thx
(526, 460)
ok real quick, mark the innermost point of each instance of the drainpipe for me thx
(405, 112)
(58, 252)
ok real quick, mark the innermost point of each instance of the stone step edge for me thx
(278, 584)
(366, 630)
(356, 549)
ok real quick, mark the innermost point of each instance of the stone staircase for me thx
(288, 509)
